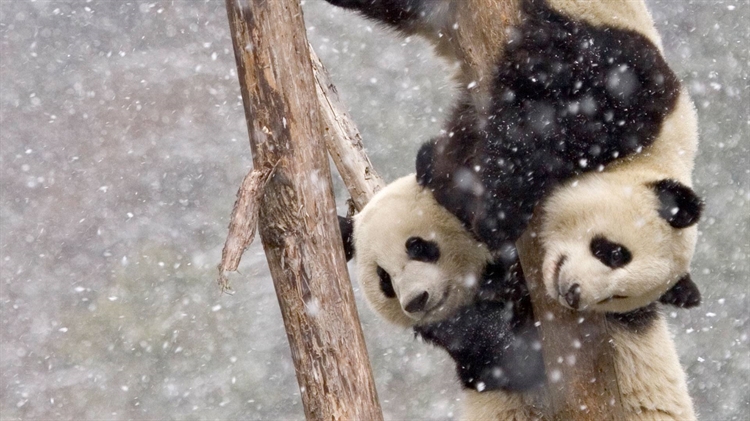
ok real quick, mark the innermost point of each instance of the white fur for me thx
(651, 381)
(619, 204)
(401, 210)
(621, 14)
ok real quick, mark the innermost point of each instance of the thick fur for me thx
(623, 204)
(447, 289)
(567, 98)
(650, 380)
(581, 106)
(542, 100)
(402, 210)
(486, 324)
(493, 340)
(570, 101)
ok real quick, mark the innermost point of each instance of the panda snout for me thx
(569, 294)
(417, 304)
(573, 295)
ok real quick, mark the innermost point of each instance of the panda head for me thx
(615, 242)
(416, 263)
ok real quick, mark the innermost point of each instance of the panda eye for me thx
(422, 250)
(611, 254)
(385, 283)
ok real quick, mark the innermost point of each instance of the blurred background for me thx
(123, 142)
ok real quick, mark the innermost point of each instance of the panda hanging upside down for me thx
(571, 105)
(569, 100)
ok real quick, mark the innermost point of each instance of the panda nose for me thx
(417, 303)
(573, 296)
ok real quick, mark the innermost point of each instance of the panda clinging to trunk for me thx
(571, 105)
(569, 100)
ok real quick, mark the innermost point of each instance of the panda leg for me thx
(497, 405)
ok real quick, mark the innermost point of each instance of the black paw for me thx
(683, 294)
(346, 226)
(491, 347)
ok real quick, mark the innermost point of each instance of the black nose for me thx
(418, 303)
(573, 296)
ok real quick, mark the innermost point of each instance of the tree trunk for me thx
(297, 218)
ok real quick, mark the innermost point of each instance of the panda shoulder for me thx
(628, 15)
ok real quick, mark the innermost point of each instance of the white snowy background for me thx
(123, 142)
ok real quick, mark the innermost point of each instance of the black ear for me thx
(679, 204)
(424, 164)
(683, 294)
(346, 225)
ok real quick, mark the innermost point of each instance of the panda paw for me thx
(492, 349)
(684, 293)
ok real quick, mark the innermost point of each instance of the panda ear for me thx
(346, 225)
(678, 203)
(424, 163)
(683, 294)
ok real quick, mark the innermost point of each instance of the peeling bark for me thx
(242, 223)
(344, 141)
(302, 243)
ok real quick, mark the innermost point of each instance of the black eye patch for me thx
(422, 250)
(679, 205)
(611, 254)
(385, 283)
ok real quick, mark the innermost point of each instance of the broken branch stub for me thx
(243, 222)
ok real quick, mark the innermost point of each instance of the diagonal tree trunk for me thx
(297, 218)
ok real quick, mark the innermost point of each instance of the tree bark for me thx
(344, 142)
(297, 217)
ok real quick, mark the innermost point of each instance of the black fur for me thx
(568, 98)
(346, 226)
(393, 12)
(448, 165)
(612, 254)
(419, 249)
(424, 164)
(679, 204)
(683, 294)
(386, 285)
(493, 341)
(638, 320)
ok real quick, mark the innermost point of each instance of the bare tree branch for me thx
(344, 141)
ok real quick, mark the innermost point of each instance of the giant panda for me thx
(418, 266)
(570, 101)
